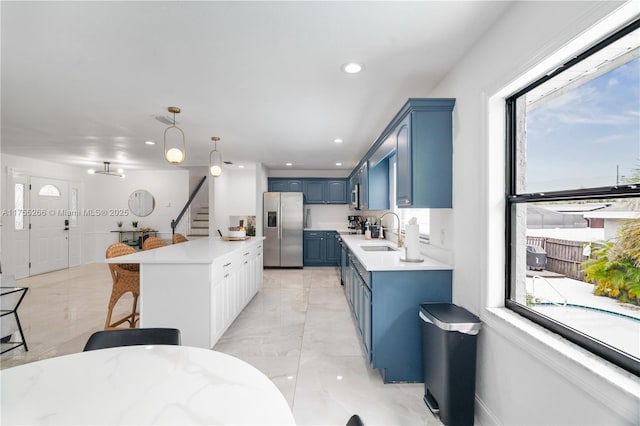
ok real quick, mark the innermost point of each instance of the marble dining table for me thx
(154, 384)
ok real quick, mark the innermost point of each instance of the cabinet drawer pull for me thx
(246, 261)
(226, 275)
(226, 264)
(246, 254)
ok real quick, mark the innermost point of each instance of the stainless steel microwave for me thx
(355, 198)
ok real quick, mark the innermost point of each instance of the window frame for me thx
(512, 197)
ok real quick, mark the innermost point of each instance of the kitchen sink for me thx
(378, 248)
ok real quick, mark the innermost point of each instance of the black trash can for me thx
(536, 258)
(449, 335)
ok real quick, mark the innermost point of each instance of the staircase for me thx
(199, 222)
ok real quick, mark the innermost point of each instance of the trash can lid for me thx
(450, 317)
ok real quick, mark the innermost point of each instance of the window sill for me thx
(615, 387)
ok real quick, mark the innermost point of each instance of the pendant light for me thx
(215, 159)
(176, 154)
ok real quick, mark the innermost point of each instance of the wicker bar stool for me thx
(178, 238)
(153, 242)
(126, 278)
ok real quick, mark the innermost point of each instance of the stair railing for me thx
(174, 222)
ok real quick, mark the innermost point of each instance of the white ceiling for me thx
(83, 81)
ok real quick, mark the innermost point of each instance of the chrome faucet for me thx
(400, 240)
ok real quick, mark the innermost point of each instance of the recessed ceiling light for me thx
(338, 164)
(289, 164)
(337, 140)
(91, 171)
(150, 142)
(241, 166)
(120, 171)
(352, 68)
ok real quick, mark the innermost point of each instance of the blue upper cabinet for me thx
(378, 186)
(325, 191)
(403, 160)
(363, 178)
(424, 140)
(316, 190)
(421, 135)
(285, 185)
(294, 185)
(277, 186)
(336, 192)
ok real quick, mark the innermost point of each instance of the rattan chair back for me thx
(153, 242)
(126, 278)
(178, 238)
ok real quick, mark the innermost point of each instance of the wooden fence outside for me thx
(563, 256)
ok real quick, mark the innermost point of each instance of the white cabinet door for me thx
(259, 268)
(236, 278)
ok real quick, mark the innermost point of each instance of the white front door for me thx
(49, 227)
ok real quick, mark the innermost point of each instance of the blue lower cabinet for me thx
(360, 301)
(366, 320)
(344, 264)
(386, 315)
(314, 248)
(332, 248)
(321, 248)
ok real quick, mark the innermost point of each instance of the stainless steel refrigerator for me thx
(282, 228)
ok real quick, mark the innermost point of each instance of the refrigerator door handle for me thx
(280, 220)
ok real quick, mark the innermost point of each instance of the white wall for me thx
(524, 377)
(330, 216)
(100, 192)
(202, 197)
(234, 195)
(168, 187)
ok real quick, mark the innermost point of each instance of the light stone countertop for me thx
(198, 250)
(153, 384)
(388, 260)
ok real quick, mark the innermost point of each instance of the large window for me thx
(573, 199)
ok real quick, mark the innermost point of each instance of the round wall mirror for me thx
(141, 203)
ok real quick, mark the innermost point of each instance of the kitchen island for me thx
(384, 294)
(199, 286)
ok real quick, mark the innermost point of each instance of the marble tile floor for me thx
(297, 330)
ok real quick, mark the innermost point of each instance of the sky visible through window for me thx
(589, 136)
